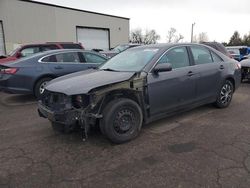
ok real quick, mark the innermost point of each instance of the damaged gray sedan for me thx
(139, 86)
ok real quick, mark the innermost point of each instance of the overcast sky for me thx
(218, 18)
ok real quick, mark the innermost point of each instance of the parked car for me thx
(239, 53)
(30, 49)
(118, 49)
(30, 75)
(139, 86)
(218, 46)
(245, 70)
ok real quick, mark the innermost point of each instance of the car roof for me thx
(51, 52)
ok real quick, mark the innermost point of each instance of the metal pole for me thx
(192, 32)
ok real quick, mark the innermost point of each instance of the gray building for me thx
(25, 22)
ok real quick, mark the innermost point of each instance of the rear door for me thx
(210, 67)
(65, 63)
(173, 89)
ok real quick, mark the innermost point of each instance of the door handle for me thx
(190, 73)
(58, 67)
(222, 67)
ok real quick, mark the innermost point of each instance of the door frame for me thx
(4, 44)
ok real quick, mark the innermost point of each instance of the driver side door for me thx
(173, 89)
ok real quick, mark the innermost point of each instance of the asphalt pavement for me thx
(206, 147)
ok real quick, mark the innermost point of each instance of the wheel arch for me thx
(41, 77)
(231, 79)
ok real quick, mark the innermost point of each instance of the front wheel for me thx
(225, 96)
(122, 120)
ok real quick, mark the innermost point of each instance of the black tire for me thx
(225, 95)
(122, 120)
(39, 85)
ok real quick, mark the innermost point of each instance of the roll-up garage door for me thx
(92, 38)
(2, 48)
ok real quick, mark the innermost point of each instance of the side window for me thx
(68, 57)
(93, 58)
(29, 51)
(201, 55)
(216, 58)
(177, 57)
(71, 57)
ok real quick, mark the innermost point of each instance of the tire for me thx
(122, 120)
(225, 96)
(39, 87)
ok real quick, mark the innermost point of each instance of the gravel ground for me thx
(206, 147)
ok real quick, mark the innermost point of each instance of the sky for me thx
(218, 18)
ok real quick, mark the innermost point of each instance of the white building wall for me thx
(26, 22)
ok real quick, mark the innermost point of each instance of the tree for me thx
(235, 40)
(150, 36)
(173, 36)
(246, 40)
(136, 36)
(178, 38)
(202, 37)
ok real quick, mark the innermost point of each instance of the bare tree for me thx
(171, 35)
(203, 37)
(151, 37)
(136, 36)
(178, 38)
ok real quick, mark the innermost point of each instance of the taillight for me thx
(9, 71)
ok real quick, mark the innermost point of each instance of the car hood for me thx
(245, 63)
(84, 81)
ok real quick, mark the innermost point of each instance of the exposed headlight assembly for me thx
(80, 101)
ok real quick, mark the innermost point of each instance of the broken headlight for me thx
(80, 101)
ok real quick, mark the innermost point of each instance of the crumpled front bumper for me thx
(66, 117)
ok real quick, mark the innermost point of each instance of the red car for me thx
(30, 49)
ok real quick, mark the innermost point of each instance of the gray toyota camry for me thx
(139, 86)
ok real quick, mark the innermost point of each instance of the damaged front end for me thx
(83, 110)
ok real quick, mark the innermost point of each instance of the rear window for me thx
(71, 46)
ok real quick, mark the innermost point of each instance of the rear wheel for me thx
(40, 87)
(225, 96)
(122, 120)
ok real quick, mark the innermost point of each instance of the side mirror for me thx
(163, 67)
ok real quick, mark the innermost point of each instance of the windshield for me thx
(12, 53)
(121, 48)
(130, 61)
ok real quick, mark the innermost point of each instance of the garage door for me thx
(2, 49)
(93, 38)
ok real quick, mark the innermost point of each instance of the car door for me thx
(173, 89)
(209, 66)
(64, 63)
